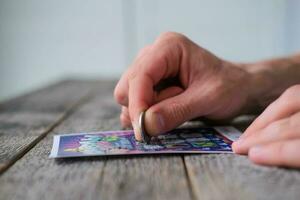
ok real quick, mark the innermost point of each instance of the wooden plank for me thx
(217, 176)
(235, 177)
(25, 120)
(225, 176)
(35, 176)
(147, 177)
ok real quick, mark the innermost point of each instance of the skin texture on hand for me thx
(272, 77)
(176, 80)
(274, 137)
(208, 86)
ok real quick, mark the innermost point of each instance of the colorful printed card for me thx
(184, 140)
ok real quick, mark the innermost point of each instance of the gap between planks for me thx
(192, 182)
(65, 115)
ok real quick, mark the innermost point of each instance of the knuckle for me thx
(172, 37)
(168, 34)
(144, 50)
(116, 93)
(216, 89)
(281, 129)
(132, 75)
(275, 128)
(179, 111)
(221, 85)
(294, 121)
(119, 96)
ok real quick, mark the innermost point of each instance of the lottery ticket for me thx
(182, 140)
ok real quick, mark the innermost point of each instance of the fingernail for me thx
(157, 123)
(237, 145)
(137, 131)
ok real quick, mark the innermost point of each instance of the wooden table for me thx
(27, 126)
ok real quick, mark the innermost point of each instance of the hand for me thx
(205, 86)
(274, 137)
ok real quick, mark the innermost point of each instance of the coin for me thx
(145, 137)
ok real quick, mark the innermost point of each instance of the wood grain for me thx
(35, 176)
(25, 120)
(144, 177)
(228, 176)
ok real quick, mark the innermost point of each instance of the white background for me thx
(44, 41)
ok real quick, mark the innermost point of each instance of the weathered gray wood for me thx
(229, 176)
(217, 176)
(35, 176)
(25, 120)
(148, 177)
(235, 177)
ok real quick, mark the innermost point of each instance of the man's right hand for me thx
(208, 86)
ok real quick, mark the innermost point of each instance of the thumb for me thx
(172, 112)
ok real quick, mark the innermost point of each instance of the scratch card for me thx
(183, 140)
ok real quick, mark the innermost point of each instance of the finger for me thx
(276, 131)
(162, 95)
(125, 112)
(282, 153)
(157, 66)
(168, 93)
(172, 112)
(125, 118)
(141, 96)
(283, 107)
(125, 121)
(121, 89)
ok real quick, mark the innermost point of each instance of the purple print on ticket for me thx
(185, 140)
